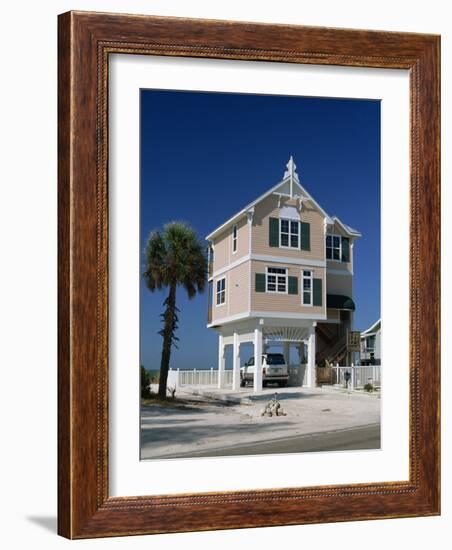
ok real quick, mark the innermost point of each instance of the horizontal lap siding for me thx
(237, 292)
(340, 266)
(223, 254)
(239, 289)
(288, 303)
(268, 208)
(337, 230)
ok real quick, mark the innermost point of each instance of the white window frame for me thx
(309, 277)
(289, 220)
(219, 292)
(277, 275)
(332, 235)
(234, 238)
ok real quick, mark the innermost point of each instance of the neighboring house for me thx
(281, 272)
(371, 345)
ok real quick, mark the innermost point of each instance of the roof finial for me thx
(291, 171)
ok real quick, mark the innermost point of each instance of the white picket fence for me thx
(207, 377)
(359, 376)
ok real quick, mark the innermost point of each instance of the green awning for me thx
(338, 301)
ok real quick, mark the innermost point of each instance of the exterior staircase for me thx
(335, 348)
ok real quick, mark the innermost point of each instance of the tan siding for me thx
(337, 230)
(339, 284)
(221, 251)
(237, 292)
(268, 208)
(239, 289)
(290, 303)
(223, 254)
(340, 266)
(243, 244)
(218, 312)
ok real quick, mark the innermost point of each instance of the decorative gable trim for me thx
(294, 184)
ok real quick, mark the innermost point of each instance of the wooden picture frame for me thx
(85, 508)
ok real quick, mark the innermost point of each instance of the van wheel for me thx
(242, 383)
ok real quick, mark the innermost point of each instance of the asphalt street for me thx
(360, 438)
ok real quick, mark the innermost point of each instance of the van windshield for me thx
(275, 359)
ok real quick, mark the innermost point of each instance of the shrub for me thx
(145, 380)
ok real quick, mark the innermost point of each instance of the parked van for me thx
(274, 369)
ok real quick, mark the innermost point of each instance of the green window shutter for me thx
(273, 237)
(305, 241)
(345, 249)
(293, 285)
(317, 288)
(260, 282)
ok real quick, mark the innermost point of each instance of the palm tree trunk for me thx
(170, 323)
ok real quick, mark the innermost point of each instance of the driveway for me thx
(197, 425)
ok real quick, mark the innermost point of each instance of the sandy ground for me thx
(199, 423)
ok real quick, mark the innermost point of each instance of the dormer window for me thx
(234, 239)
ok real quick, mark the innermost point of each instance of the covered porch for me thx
(263, 334)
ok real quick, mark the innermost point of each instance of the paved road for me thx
(363, 437)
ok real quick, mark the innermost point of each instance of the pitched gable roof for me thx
(347, 228)
(372, 329)
(289, 186)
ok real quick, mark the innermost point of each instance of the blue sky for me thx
(204, 156)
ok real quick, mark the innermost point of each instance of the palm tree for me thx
(173, 257)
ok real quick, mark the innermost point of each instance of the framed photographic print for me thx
(248, 275)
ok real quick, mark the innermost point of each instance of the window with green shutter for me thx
(305, 241)
(273, 237)
(260, 282)
(293, 285)
(276, 280)
(317, 292)
(345, 249)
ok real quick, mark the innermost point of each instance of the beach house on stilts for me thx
(281, 273)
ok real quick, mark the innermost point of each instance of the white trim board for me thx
(266, 314)
(330, 271)
(230, 266)
(285, 260)
(272, 259)
(273, 189)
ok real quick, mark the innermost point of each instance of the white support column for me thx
(311, 378)
(302, 352)
(258, 359)
(221, 361)
(236, 363)
(286, 352)
(301, 363)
